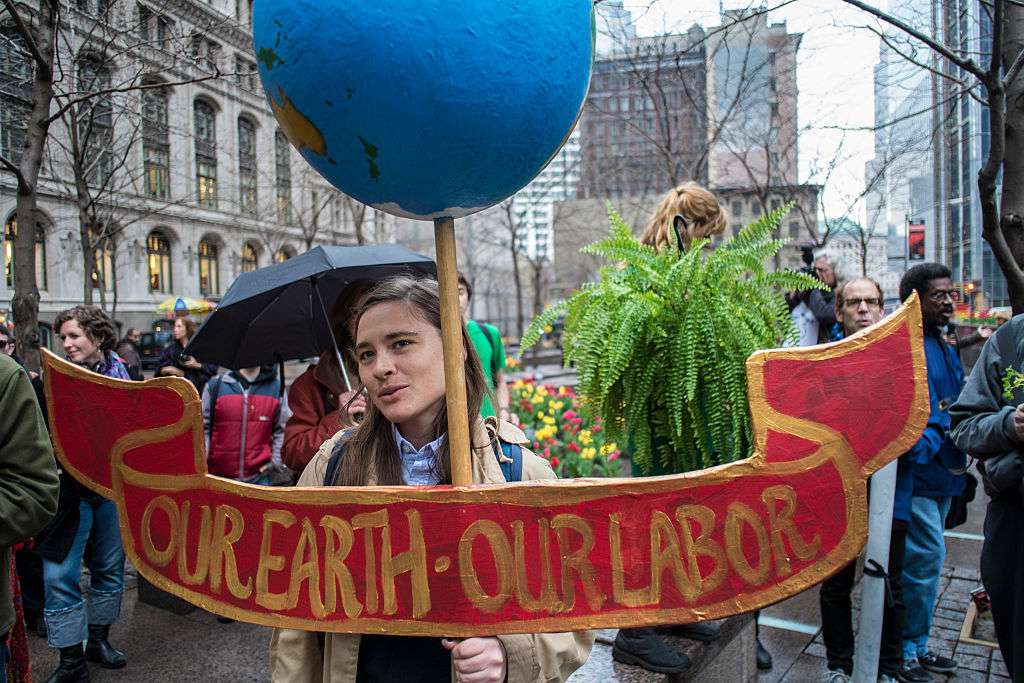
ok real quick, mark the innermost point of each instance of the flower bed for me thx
(560, 432)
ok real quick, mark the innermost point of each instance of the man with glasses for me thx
(938, 467)
(859, 305)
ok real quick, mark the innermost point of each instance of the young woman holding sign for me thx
(401, 440)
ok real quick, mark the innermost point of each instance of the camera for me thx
(807, 257)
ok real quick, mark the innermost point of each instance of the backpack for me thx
(512, 469)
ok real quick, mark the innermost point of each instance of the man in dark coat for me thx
(988, 423)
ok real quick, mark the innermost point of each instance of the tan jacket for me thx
(302, 657)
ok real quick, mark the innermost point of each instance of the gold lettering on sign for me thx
(160, 558)
(577, 561)
(306, 567)
(501, 551)
(702, 546)
(630, 597)
(228, 526)
(736, 516)
(781, 523)
(202, 545)
(269, 562)
(413, 561)
(368, 521)
(665, 554)
(547, 600)
(337, 577)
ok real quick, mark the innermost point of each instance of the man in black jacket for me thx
(988, 423)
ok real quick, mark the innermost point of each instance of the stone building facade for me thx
(208, 188)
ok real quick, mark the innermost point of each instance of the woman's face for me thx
(401, 364)
(180, 331)
(79, 346)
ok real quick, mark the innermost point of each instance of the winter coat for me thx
(28, 473)
(171, 357)
(244, 424)
(315, 412)
(982, 417)
(54, 542)
(130, 356)
(938, 463)
(309, 657)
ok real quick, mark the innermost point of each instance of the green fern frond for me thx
(661, 340)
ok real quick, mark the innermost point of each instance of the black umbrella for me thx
(282, 312)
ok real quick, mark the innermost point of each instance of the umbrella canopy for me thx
(281, 312)
(184, 305)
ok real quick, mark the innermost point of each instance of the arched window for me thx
(209, 269)
(10, 232)
(283, 182)
(250, 258)
(247, 193)
(283, 254)
(156, 144)
(206, 153)
(103, 261)
(16, 95)
(158, 249)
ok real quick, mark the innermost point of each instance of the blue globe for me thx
(426, 108)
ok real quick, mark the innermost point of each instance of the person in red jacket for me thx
(319, 402)
(244, 418)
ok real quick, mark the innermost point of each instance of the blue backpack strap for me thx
(333, 464)
(512, 468)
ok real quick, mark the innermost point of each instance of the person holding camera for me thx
(814, 311)
(174, 362)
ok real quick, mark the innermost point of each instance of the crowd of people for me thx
(372, 411)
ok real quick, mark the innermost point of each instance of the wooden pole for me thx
(451, 338)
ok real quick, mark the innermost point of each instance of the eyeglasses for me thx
(872, 302)
(939, 295)
(6, 342)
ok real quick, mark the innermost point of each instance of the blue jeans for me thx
(67, 614)
(926, 551)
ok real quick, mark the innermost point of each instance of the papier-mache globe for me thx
(426, 108)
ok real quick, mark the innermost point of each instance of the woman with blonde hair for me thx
(687, 213)
(402, 441)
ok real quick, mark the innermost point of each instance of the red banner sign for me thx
(527, 557)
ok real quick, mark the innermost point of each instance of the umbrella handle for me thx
(334, 340)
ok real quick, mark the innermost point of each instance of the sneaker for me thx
(937, 663)
(836, 676)
(645, 649)
(912, 672)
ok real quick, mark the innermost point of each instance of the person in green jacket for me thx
(487, 342)
(28, 479)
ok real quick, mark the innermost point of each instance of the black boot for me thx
(72, 667)
(99, 650)
(642, 647)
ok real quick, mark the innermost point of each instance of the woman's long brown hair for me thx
(372, 447)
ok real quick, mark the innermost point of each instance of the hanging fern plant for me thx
(661, 340)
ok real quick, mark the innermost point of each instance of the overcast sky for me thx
(835, 77)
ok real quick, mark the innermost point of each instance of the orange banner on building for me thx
(526, 557)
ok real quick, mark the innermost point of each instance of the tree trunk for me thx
(520, 314)
(1007, 217)
(25, 302)
(113, 283)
